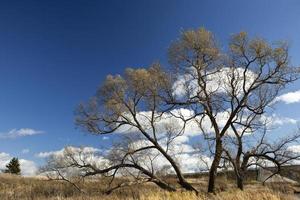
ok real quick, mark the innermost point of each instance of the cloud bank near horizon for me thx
(28, 167)
(22, 132)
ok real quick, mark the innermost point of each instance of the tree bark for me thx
(240, 182)
(241, 171)
(181, 180)
(214, 166)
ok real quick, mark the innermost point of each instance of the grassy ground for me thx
(17, 188)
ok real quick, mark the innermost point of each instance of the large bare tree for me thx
(225, 91)
(135, 104)
(229, 89)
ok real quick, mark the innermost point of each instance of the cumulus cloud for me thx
(163, 122)
(23, 132)
(186, 85)
(294, 148)
(66, 157)
(70, 148)
(189, 159)
(28, 167)
(49, 153)
(173, 120)
(4, 159)
(217, 82)
(277, 120)
(288, 98)
(220, 82)
(185, 155)
(180, 148)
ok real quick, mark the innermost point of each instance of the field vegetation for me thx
(16, 187)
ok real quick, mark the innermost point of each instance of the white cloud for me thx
(189, 159)
(218, 81)
(288, 98)
(67, 156)
(186, 85)
(61, 151)
(49, 153)
(28, 167)
(15, 133)
(163, 122)
(4, 159)
(294, 148)
(174, 120)
(191, 163)
(184, 154)
(276, 120)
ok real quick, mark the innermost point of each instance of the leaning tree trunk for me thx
(214, 166)
(181, 180)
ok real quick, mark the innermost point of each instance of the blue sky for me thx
(54, 54)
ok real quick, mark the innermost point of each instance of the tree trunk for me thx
(241, 171)
(181, 180)
(240, 182)
(214, 166)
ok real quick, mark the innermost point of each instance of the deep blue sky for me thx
(54, 54)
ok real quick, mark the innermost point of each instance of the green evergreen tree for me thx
(13, 167)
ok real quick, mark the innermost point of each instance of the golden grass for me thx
(18, 188)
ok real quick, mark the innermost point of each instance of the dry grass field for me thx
(18, 188)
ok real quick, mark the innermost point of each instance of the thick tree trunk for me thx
(240, 182)
(241, 171)
(181, 180)
(214, 167)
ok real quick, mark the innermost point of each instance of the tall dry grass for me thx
(18, 188)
